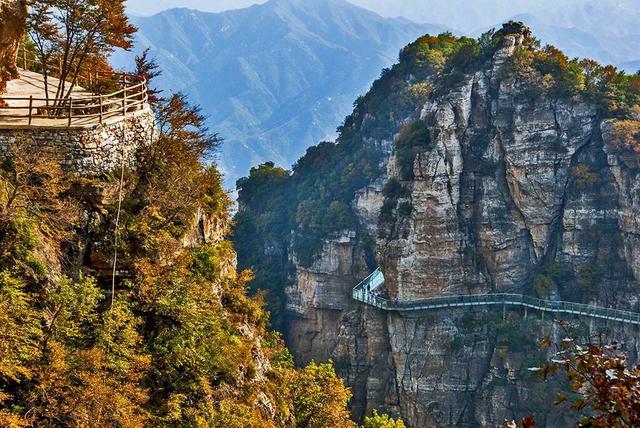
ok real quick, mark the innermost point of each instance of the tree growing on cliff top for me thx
(74, 33)
(148, 69)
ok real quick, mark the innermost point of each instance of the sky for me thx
(461, 15)
(149, 7)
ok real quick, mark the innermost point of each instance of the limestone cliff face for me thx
(507, 195)
(496, 197)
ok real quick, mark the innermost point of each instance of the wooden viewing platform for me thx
(366, 292)
(28, 106)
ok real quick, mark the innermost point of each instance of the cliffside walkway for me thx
(365, 292)
(27, 104)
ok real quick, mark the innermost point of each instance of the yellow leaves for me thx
(545, 343)
(234, 414)
(625, 135)
(320, 398)
(11, 420)
(77, 388)
(420, 92)
(584, 176)
(20, 330)
(173, 407)
(377, 420)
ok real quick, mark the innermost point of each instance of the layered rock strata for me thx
(508, 195)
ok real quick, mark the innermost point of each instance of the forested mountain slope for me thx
(164, 334)
(275, 78)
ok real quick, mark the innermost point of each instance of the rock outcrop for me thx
(507, 194)
(13, 16)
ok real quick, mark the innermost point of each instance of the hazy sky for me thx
(149, 7)
(464, 15)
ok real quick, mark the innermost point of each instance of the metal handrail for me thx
(361, 294)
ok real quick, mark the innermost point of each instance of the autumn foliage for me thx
(604, 387)
(608, 387)
(74, 38)
(182, 344)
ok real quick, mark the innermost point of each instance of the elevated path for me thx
(367, 292)
(29, 103)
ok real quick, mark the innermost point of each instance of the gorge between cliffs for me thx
(471, 167)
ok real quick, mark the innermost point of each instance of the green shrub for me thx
(413, 139)
(589, 276)
(393, 189)
(420, 92)
(405, 209)
(377, 420)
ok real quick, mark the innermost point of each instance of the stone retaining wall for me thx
(89, 150)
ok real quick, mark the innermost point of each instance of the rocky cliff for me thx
(515, 171)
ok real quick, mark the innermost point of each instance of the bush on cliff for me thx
(377, 420)
(549, 72)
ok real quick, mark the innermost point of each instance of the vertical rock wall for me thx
(499, 203)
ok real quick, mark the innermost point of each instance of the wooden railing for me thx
(29, 60)
(131, 95)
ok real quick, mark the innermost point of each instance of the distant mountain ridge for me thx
(279, 77)
(275, 78)
(605, 30)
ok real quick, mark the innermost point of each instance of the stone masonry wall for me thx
(89, 150)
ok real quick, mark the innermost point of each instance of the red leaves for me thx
(609, 389)
(527, 422)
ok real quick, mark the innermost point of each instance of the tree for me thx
(605, 390)
(76, 32)
(148, 69)
(377, 420)
(320, 398)
(58, 365)
(625, 136)
(609, 390)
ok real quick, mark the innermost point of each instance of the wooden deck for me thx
(31, 85)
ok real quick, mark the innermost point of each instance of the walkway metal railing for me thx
(365, 292)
